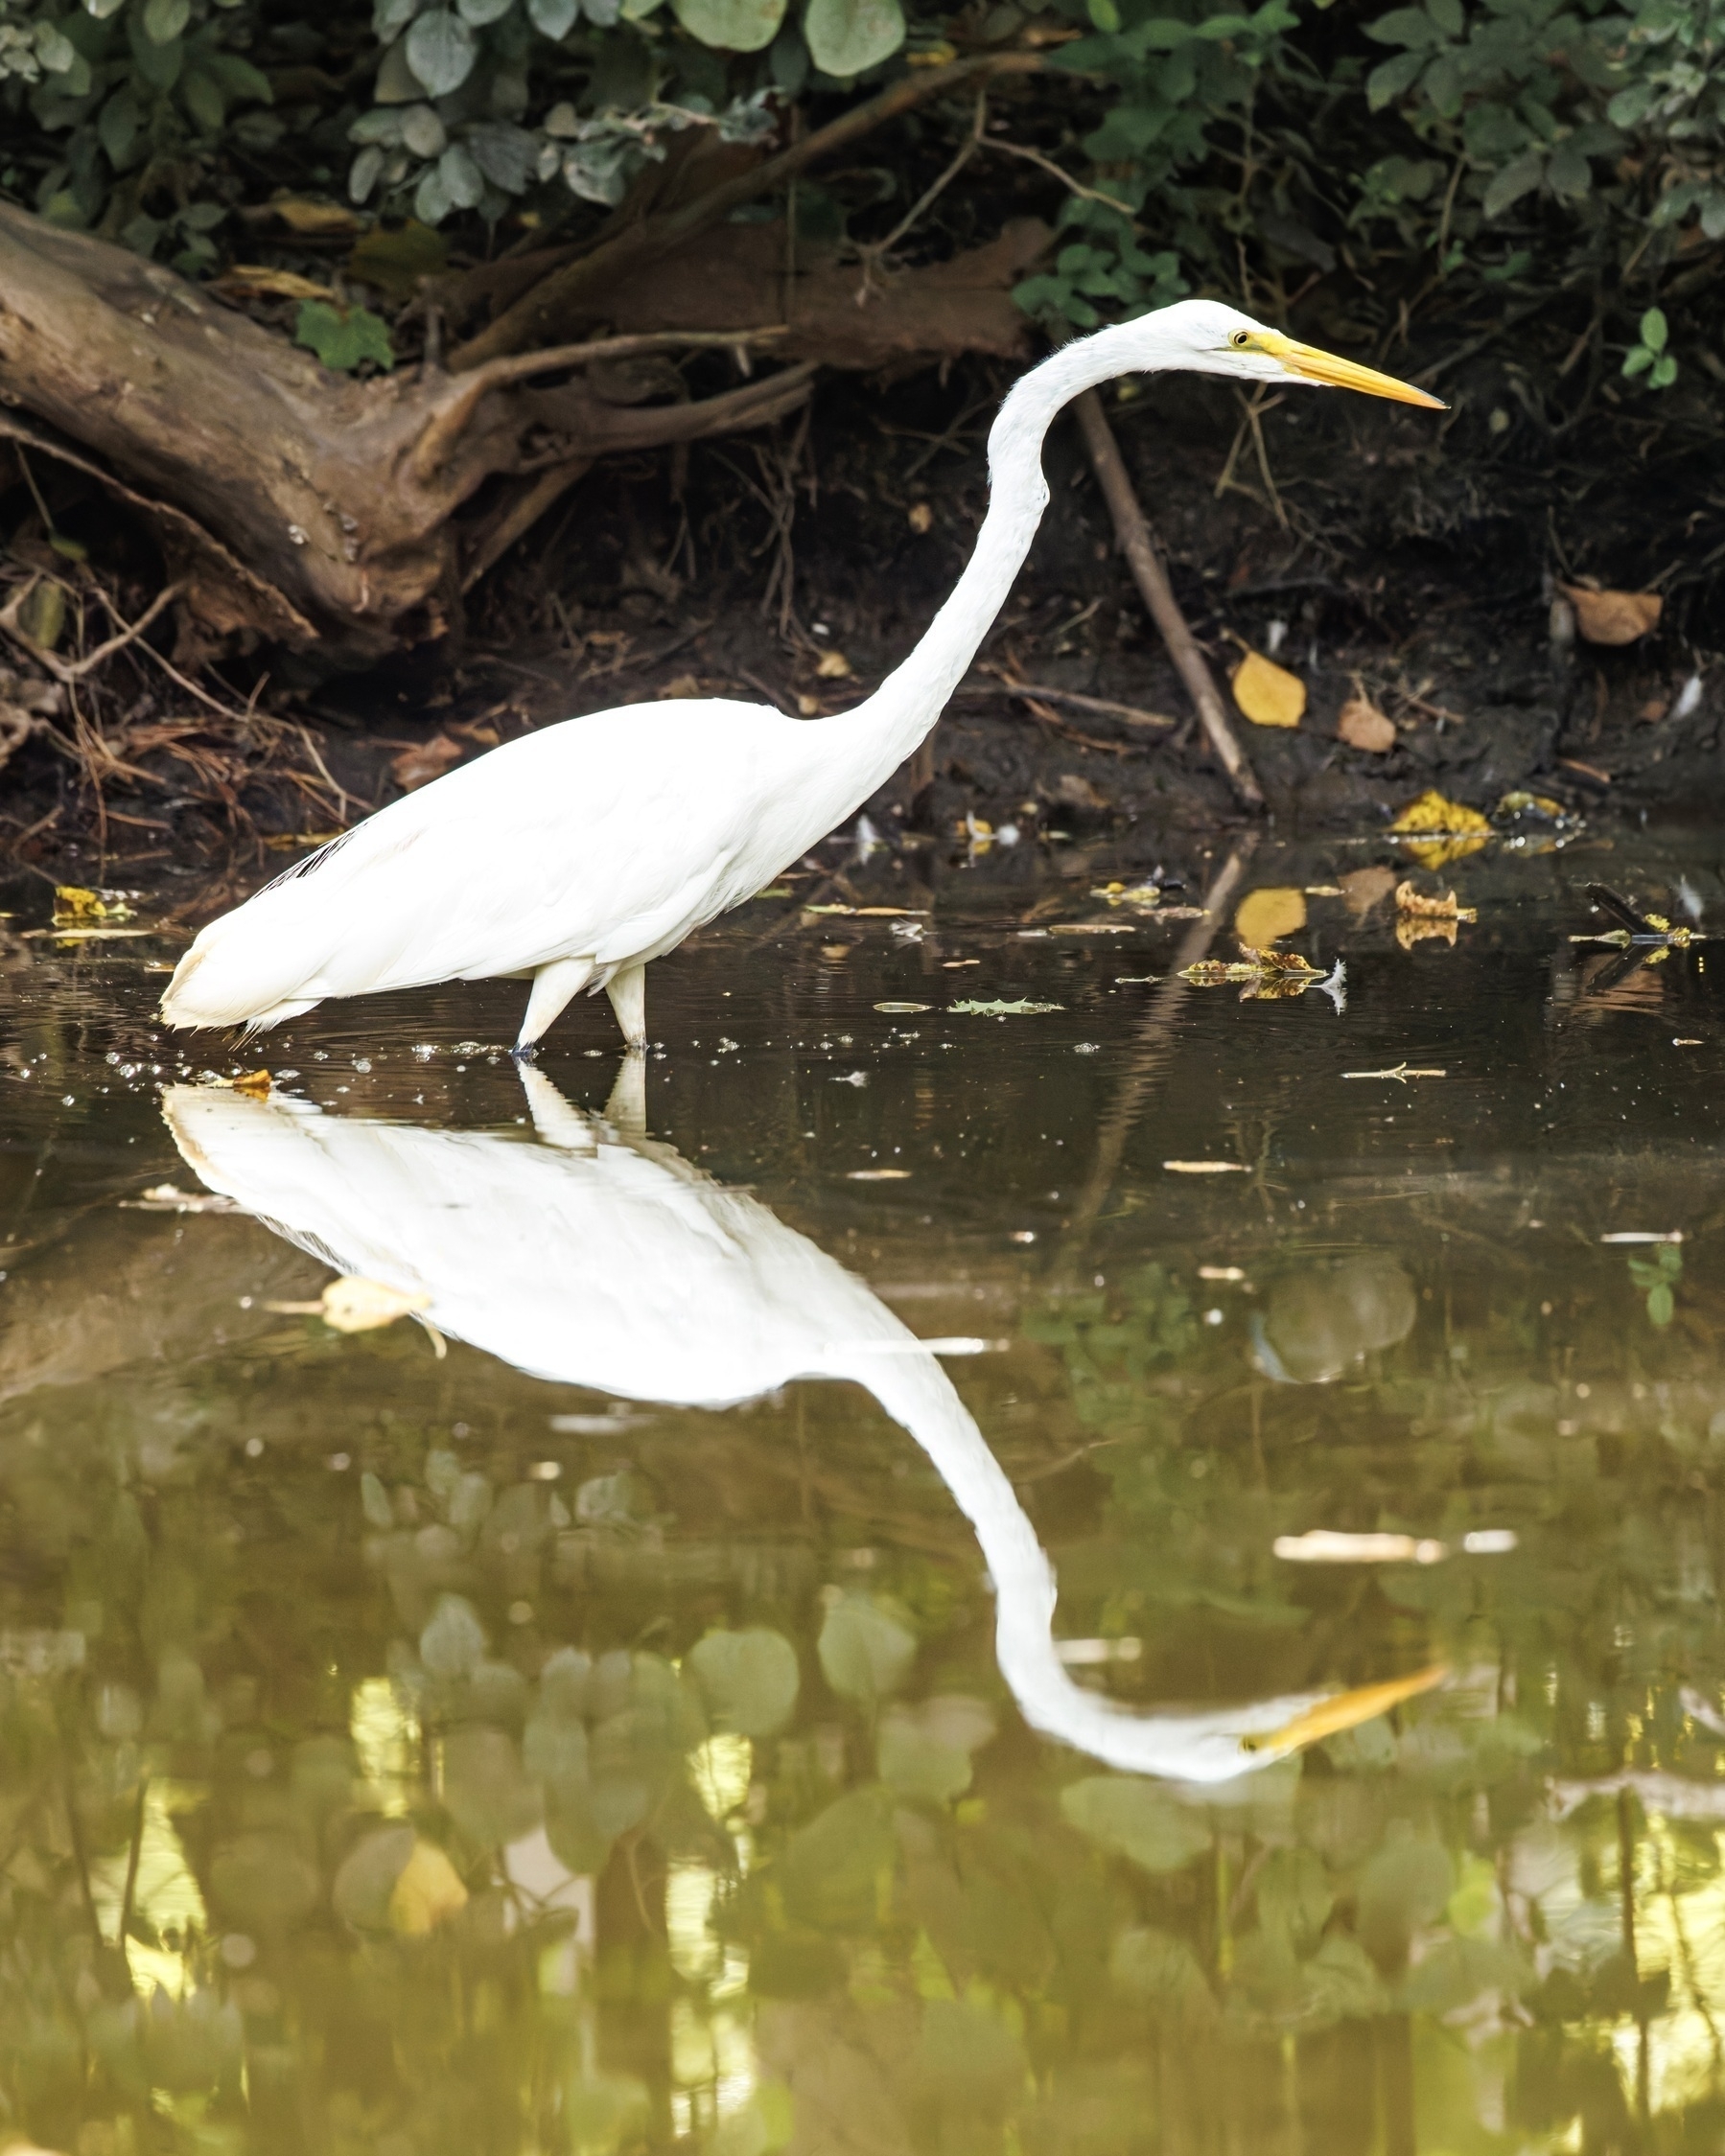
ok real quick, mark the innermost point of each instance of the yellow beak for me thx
(1313, 365)
(1346, 1711)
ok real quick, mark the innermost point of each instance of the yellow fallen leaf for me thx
(1362, 726)
(301, 213)
(1453, 819)
(1613, 617)
(833, 666)
(75, 907)
(427, 1894)
(354, 1304)
(1269, 694)
(251, 278)
(258, 1083)
(1266, 915)
(1420, 928)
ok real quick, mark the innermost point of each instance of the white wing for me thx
(608, 837)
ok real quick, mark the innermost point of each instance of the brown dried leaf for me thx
(252, 280)
(301, 213)
(430, 759)
(1362, 726)
(1418, 928)
(1409, 900)
(1614, 618)
(1363, 889)
(1268, 694)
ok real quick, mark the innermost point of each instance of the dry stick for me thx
(1132, 533)
(555, 296)
(449, 422)
(521, 515)
(1129, 714)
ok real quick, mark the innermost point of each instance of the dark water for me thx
(575, 1722)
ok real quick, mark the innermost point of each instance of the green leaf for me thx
(165, 20)
(441, 51)
(748, 1680)
(1385, 84)
(479, 12)
(865, 1648)
(364, 1885)
(1638, 361)
(1447, 15)
(1105, 14)
(54, 48)
(1136, 1819)
(238, 76)
(1162, 1970)
(734, 26)
(1517, 179)
(103, 9)
(1661, 1307)
(1655, 331)
(117, 127)
(553, 18)
(375, 1499)
(202, 99)
(1406, 26)
(848, 36)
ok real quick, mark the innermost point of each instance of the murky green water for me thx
(577, 1722)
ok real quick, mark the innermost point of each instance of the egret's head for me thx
(1207, 338)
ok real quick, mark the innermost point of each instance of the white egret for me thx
(600, 1258)
(575, 855)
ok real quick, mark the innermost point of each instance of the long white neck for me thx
(1196, 1747)
(865, 745)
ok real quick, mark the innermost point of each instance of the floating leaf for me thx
(1442, 908)
(75, 907)
(354, 1304)
(1362, 726)
(1266, 915)
(732, 26)
(344, 337)
(865, 1649)
(1453, 820)
(748, 1680)
(1269, 694)
(1614, 618)
(1136, 1819)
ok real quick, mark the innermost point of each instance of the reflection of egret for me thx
(600, 1258)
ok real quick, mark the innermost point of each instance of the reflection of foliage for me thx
(1657, 1278)
(307, 1789)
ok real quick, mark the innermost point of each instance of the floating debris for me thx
(877, 1175)
(1207, 1167)
(1143, 895)
(1020, 1010)
(164, 1197)
(1402, 1073)
(902, 1010)
(1269, 976)
(1324, 1546)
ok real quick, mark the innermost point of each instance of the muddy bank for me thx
(1410, 556)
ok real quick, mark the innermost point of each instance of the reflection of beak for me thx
(1346, 1710)
(1313, 365)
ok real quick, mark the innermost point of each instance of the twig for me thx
(449, 422)
(521, 515)
(173, 672)
(1129, 714)
(1036, 157)
(164, 598)
(1151, 579)
(878, 248)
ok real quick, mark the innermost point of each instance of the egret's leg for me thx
(628, 993)
(553, 986)
(626, 1110)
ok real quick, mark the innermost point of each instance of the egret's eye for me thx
(1241, 340)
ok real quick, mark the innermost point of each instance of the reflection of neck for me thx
(917, 1393)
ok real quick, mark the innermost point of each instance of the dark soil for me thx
(1414, 556)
